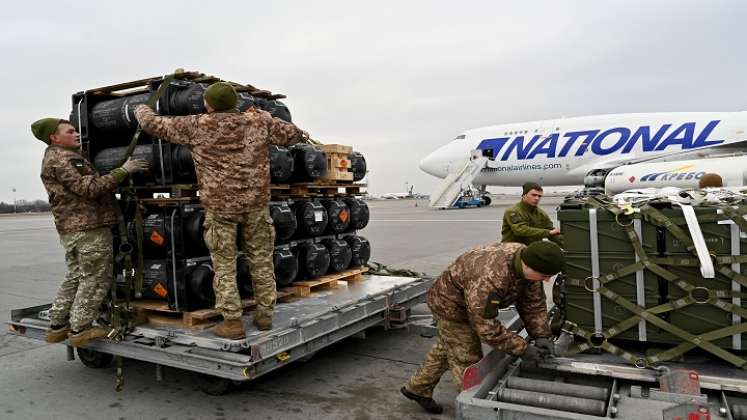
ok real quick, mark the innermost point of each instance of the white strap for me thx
(706, 265)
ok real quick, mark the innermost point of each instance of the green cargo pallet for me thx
(634, 274)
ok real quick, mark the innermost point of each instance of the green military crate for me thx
(580, 310)
(701, 318)
(689, 302)
(717, 235)
(579, 266)
(574, 224)
(579, 300)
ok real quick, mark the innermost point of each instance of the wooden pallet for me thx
(158, 313)
(142, 85)
(187, 193)
(306, 190)
(305, 288)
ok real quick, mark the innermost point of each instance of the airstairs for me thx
(456, 182)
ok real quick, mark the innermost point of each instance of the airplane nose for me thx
(428, 165)
(436, 164)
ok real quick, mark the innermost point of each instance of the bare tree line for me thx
(23, 206)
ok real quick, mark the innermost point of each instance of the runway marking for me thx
(434, 220)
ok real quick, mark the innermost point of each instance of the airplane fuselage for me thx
(561, 152)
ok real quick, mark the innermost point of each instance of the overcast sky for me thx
(395, 79)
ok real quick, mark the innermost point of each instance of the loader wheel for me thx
(487, 200)
(212, 385)
(94, 359)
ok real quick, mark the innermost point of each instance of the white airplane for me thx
(394, 196)
(564, 151)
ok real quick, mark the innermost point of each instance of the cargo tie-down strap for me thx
(122, 318)
(694, 295)
(382, 270)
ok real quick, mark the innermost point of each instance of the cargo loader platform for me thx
(301, 328)
(593, 386)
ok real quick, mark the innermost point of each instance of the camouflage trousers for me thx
(457, 348)
(258, 241)
(90, 271)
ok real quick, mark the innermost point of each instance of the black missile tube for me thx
(357, 165)
(286, 266)
(155, 280)
(361, 250)
(359, 213)
(340, 254)
(178, 166)
(313, 259)
(200, 286)
(117, 115)
(277, 109)
(281, 164)
(184, 98)
(338, 215)
(311, 217)
(310, 163)
(284, 221)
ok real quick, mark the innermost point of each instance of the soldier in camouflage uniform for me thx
(82, 206)
(230, 151)
(525, 222)
(465, 300)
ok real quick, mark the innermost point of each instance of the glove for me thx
(534, 353)
(135, 165)
(545, 344)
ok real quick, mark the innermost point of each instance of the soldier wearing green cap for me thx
(465, 300)
(525, 222)
(81, 203)
(229, 149)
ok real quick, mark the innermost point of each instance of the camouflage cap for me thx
(45, 127)
(544, 257)
(221, 96)
(711, 180)
(529, 186)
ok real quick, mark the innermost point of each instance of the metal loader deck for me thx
(301, 328)
(591, 386)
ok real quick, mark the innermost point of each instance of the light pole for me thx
(14, 200)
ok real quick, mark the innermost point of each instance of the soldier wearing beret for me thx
(229, 149)
(525, 222)
(465, 300)
(82, 205)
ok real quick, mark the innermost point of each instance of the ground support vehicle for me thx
(592, 386)
(301, 327)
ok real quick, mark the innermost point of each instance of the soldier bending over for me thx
(465, 300)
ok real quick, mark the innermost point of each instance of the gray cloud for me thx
(394, 79)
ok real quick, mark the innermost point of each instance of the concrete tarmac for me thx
(354, 379)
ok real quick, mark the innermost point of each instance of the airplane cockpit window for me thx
(460, 137)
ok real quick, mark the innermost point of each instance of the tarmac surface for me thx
(354, 379)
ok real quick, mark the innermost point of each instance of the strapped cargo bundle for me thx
(661, 268)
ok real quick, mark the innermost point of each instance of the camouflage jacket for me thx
(79, 197)
(480, 282)
(229, 150)
(526, 224)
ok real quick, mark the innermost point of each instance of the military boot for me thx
(56, 334)
(87, 335)
(263, 321)
(232, 329)
(429, 404)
